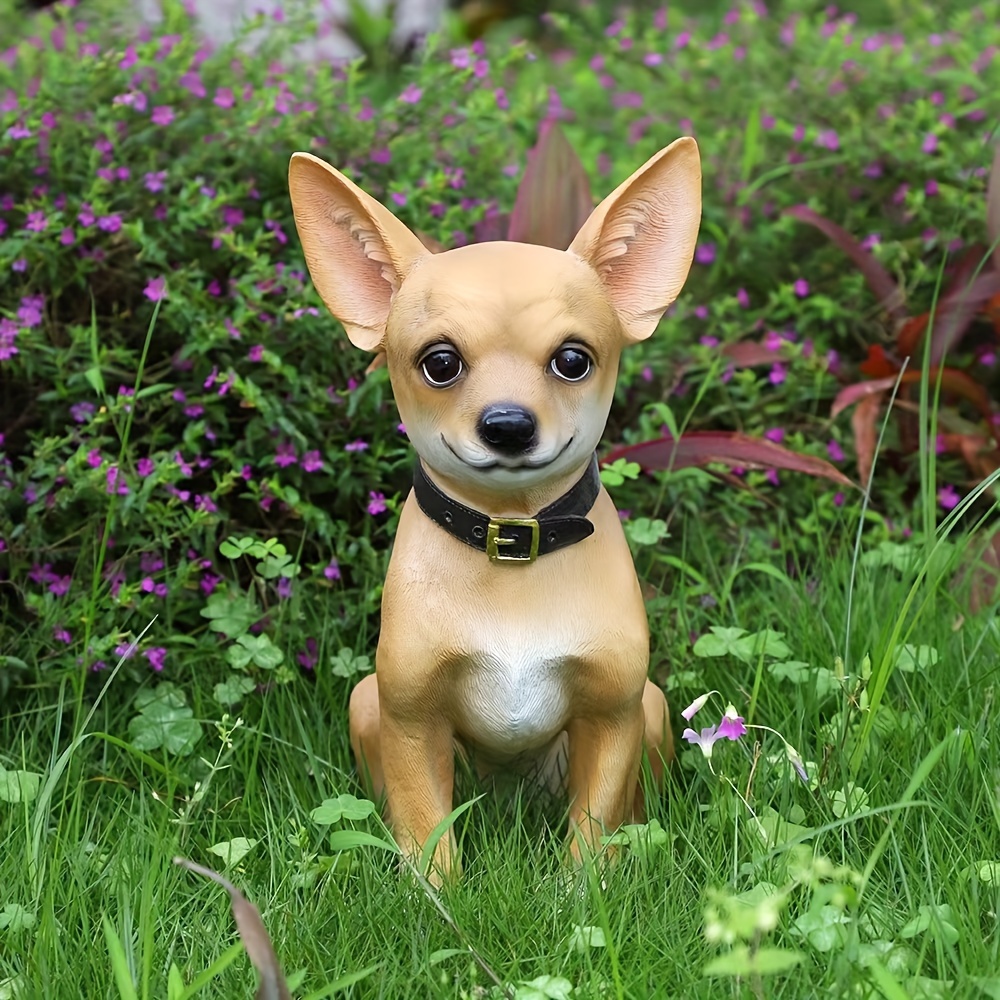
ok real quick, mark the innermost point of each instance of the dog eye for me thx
(571, 364)
(441, 367)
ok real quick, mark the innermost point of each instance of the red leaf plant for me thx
(971, 294)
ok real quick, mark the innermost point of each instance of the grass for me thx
(101, 846)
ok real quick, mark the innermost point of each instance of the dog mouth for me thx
(490, 465)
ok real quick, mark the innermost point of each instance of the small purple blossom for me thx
(704, 253)
(155, 657)
(376, 503)
(312, 461)
(732, 726)
(356, 446)
(285, 454)
(948, 497)
(835, 452)
(801, 288)
(332, 570)
(156, 289)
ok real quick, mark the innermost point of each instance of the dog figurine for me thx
(512, 620)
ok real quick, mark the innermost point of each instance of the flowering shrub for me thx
(167, 378)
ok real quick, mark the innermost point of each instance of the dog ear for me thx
(641, 238)
(357, 251)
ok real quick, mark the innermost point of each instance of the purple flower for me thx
(155, 657)
(376, 503)
(732, 726)
(948, 497)
(256, 352)
(356, 446)
(775, 434)
(60, 585)
(154, 181)
(224, 98)
(81, 412)
(308, 657)
(284, 588)
(110, 223)
(332, 570)
(777, 374)
(696, 706)
(705, 739)
(411, 95)
(115, 481)
(311, 461)
(19, 265)
(67, 236)
(929, 144)
(156, 289)
(285, 454)
(61, 635)
(835, 452)
(704, 253)
(37, 222)
(828, 139)
(801, 288)
(145, 467)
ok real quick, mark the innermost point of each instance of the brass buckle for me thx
(494, 539)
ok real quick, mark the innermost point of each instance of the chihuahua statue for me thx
(513, 625)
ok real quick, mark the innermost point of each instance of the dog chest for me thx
(513, 700)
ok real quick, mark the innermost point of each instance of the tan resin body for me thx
(540, 665)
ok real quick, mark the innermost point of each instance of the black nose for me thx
(507, 428)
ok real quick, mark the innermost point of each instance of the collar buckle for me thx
(494, 539)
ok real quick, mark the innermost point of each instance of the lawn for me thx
(200, 483)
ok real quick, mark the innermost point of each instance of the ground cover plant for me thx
(200, 484)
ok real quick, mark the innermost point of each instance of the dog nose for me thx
(507, 428)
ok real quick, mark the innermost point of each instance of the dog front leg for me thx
(604, 757)
(418, 762)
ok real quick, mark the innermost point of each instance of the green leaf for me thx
(990, 987)
(646, 531)
(119, 963)
(618, 471)
(545, 988)
(347, 840)
(256, 649)
(14, 917)
(346, 664)
(342, 807)
(763, 962)
(233, 548)
(233, 851)
(584, 938)
(164, 720)
(18, 786)
(766, 642)
(175, 984)
(234, 690)
(824, 928)
(909, 658)
(230, 613)
(937, 919)
(443, 954)
(988, 872)
(849, 800)
(794, 671)
(720, 641)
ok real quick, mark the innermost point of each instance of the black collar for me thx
(506, 539)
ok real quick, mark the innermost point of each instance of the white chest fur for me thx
(514, 699)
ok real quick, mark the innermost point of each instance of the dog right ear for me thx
(357, 251)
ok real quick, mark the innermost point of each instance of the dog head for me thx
(502, 356)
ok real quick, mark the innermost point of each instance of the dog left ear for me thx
(641, 238)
